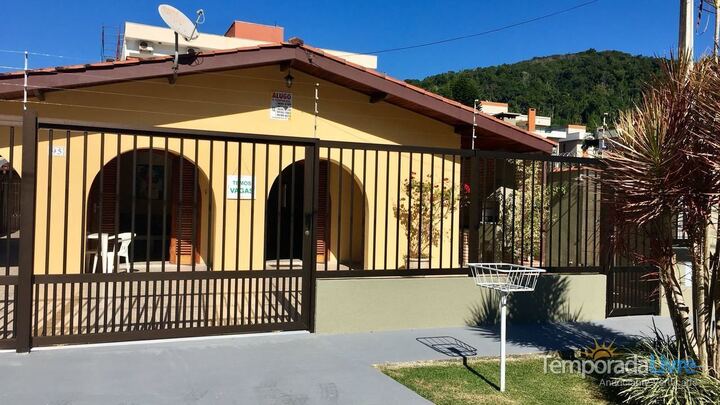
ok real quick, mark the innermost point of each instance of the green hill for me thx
(572, 89)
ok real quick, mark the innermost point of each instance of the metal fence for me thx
(138, 234)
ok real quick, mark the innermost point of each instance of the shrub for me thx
(659, 385)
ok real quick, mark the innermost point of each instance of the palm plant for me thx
(664, 164)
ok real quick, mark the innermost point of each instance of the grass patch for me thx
(449, 382)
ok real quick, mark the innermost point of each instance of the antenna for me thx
(182, 25)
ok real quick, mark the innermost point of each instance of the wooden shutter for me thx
(181, 232)
(322, 221)
(108, 197)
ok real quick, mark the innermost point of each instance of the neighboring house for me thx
(572, 140)
(146, 41)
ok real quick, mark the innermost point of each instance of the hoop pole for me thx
(503, 315)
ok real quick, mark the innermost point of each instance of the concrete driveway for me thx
(288, 368)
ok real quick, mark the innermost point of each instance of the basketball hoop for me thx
(505, 278)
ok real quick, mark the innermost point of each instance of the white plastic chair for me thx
(117, 245)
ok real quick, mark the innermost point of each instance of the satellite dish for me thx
(182, 25)
(179, 22)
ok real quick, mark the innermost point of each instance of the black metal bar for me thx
(587, 211)
(483, 209)
(148, 213)
(560, 216)
(532, 214)
(498, 209)
(65, 231)
(252, 208)
(387, 207)
(293, 165)
(409, 219)
(194, 226)
(452, 215)
(116, 228)
(133, 206)
(178, 133)
(224, 205)
(474, 214)
(265, 196)
(513, 218)
(543, 230)
(28, 182)
(179, 203)
(442, 209)
(421, 213)
(310, 200)
(67, 197)
(338, 255)
(522, 213)
(393, 273)
(48, 202)
(431, 218)
(7, 212)
(397, 210)
(328, 205)
(279, 209)
(237, 214)
(503, 182)
(352, 205)
(164, 214)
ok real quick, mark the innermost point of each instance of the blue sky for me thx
(648, 27)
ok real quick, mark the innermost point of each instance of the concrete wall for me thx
(372, 304)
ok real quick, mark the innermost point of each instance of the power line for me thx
(49, 55)
(490, 31)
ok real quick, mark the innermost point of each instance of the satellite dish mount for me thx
(181, 25)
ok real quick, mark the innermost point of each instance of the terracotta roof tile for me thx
(134, 61)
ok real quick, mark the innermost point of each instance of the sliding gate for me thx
(153, 234)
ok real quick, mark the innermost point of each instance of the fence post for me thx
(310, 201)
(607, 225)
(475, 207)
(23, 301)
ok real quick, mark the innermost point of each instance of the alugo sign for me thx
(240, 187)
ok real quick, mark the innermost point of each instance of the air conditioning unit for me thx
(145, 47)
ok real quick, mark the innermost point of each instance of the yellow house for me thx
(205, 165)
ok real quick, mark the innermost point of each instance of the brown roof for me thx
(492, 133)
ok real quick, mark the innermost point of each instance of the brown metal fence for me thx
(149, 234)
(9, 235)
(141, 234)
(410, 210)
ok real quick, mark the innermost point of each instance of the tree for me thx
(664, 164)
(464, 90)
(569, 88)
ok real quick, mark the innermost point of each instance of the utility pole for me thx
(716, 37)
(685, 39)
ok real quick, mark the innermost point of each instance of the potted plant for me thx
(424, 204)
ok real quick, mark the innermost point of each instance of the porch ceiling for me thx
(492, 132)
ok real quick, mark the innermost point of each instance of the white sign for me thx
(281, 106)
(242, 188)
(58, 151)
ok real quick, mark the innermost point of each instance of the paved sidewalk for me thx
(298, 368)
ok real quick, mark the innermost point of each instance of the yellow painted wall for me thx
(238, 101)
